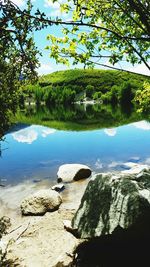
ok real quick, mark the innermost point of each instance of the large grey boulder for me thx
(41, 202)
(73, 172)
(112, 202)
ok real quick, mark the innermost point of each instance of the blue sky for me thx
(47, 64)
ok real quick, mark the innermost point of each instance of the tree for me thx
(110, 30)
(18, 57)
(17, 47)
(126, 94)
(113, 30)
(142, 98)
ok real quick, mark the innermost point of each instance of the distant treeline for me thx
(65, 87)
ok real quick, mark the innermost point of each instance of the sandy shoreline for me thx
(40, 241)
(11, 196)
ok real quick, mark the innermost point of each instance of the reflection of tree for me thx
(96, 116)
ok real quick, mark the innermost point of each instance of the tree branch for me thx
(114, 68)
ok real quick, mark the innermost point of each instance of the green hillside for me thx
(66, 87)
(97, 78)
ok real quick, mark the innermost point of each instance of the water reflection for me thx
(31, 133)
(94, 116)
(144, 125)
(111, 132)
(35, 152)
(25, 136)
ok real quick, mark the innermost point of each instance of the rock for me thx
(68, 227)
(70, 172)
(134, 168)
(41, 202)
(64, 261)
(67, 224)
(111, 202)
(58, 187)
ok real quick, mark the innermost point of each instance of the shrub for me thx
(142, 98)
(126, 93)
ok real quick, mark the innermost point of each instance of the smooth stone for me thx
(58, 187)
(41, 202)
(73, 172)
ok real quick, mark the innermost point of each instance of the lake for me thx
(35, 152)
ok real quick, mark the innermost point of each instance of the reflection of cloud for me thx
(31, 133)
(111, 131)
(44, 69)
(25, 136)
(98, 164)
(144, 125)
(47, 131)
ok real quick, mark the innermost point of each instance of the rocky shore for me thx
(36, 234)
(98, 227)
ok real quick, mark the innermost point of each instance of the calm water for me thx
(35, 152)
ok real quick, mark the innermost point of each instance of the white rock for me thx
(58, 187)
(70, 172)
(135, 169)
(41, 202)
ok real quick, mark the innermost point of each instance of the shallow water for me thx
(35, 152)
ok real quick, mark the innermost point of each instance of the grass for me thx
(85, 77)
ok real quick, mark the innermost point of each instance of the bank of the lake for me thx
(78, 85)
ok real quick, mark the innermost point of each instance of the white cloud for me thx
(19, 3)
(144, 125)
(55, 5)
(49, 3)
(111, 131)
(55, 8)
(47, 131)
(44, 69)
(25, 136)
(58, 13)
(137, 68)
(141, 68)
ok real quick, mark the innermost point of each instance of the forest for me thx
(66, 87)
